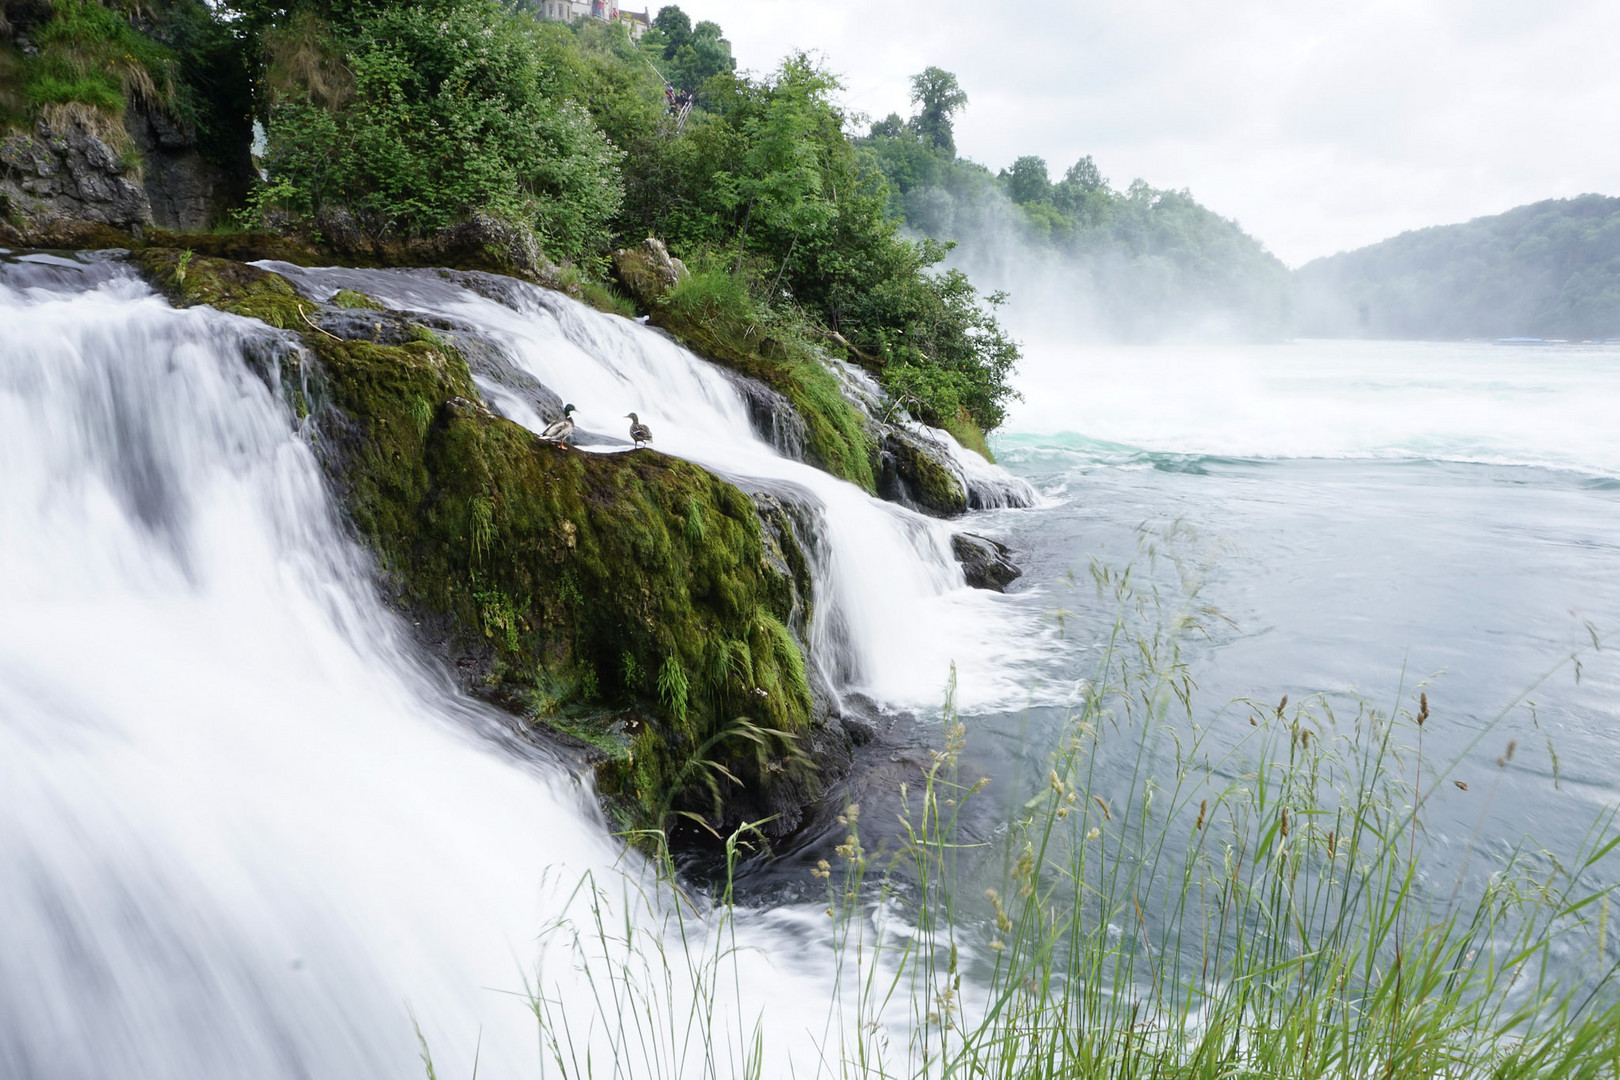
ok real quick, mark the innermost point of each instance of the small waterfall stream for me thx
(893, 613)
(244, 830)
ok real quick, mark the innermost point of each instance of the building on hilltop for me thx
(638, 22)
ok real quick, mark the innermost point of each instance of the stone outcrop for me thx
(70, 175)
(482, 242)
(648, 271)
(986, 563)
(916, 473)
(184, 190)
(80, 169)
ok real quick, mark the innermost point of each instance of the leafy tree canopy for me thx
(939, 98)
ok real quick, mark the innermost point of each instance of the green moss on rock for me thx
(915, 474)
(631, 596)
(354, 301)
(836, 438)
(189, 279)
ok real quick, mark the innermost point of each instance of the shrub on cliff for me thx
(767, 176)
(87, 62)
(413, 117)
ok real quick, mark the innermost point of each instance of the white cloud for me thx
(1318, 125)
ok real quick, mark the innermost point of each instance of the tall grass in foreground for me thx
(1242, 899)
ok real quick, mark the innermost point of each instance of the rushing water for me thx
(246, 831)
(1364, 516)
(243, 832)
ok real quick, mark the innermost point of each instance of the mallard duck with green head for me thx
(559, 432)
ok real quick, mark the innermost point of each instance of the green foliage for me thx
(398, 120)
(93, 59)
(939, 98)
(673, 687)
(766, 184)
(90, 54)
(1550, 269)
(687, 55)
(415, 117)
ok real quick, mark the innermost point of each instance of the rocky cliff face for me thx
(186, 191)
(68, 175)
(79, 170)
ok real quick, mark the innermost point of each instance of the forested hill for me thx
(1140, 264)
(1549, 270)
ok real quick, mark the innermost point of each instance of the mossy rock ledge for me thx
(632, 601)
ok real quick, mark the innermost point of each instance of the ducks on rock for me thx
(560, 431)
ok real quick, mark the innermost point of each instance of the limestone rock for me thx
(648, 270)
(986, 563)
(185, 190)
(70, 174)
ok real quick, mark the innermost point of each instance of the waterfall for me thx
(893, 613)
(244, 832)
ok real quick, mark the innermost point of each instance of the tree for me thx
(1085, 175)
(675, 25)
(704, 54)
(890, 127)
(941, 98)
(1027, 181)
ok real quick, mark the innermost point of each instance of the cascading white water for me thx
(242, 832)
(893, 611)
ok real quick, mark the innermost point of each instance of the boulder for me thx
(914, 473)
(648, 270)
(986, 563)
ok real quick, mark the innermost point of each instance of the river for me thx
(246, 830)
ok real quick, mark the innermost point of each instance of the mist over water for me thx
(1468, 402)
(1365, 518)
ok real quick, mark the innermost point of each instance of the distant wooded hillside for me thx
(1549, 270)
(1137, 264)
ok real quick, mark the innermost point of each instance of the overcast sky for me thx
(1319, 126)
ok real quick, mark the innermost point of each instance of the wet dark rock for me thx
(482, 242)
(490, 362)
(184, 190)
(918, 474)
(772, 415)
(863, 719)
(986, 563)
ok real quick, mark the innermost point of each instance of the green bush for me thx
(766, 182)
(416, 117)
